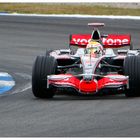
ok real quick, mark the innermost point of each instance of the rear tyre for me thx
(132, 69)
(43, 66)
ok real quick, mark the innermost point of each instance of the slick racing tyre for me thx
(132, 69)
(43, 66)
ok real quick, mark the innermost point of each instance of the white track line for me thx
(73, 16)
(25, 86)
(22, 89)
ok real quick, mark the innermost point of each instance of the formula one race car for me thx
(93, 68)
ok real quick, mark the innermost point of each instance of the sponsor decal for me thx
(111, 40)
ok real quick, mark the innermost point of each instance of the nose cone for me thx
(88, 86)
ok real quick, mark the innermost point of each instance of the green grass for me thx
(67, 9)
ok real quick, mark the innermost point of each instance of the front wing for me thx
(110, 82)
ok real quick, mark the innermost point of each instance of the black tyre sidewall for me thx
(132, 69)
(43, 66)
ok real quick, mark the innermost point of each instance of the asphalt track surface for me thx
(23, 115)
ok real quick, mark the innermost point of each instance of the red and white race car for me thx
(93, 68)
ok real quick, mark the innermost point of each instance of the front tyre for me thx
(43, 66)
(132, 69)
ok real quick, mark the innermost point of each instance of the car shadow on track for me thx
(101, 97)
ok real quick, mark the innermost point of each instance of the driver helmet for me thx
(94, 48)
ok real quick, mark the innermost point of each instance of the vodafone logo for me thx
(106, 41)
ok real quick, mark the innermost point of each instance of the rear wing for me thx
(108, 41)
